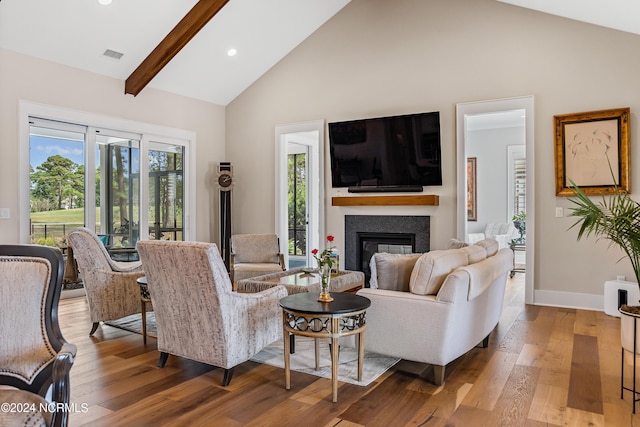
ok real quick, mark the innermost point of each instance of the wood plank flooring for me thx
(544, 366)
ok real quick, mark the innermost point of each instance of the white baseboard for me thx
(569, 300)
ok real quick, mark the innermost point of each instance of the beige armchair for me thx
(35, 359)
(198, 316)
(111, 288)
(254, 255)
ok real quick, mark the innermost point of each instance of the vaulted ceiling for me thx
(77, 33)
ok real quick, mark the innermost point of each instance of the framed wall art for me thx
(589, 147)
(472, 190)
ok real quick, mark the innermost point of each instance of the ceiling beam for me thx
(169, 47)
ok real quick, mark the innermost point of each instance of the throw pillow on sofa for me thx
(432, 268)
(456, 244)
(392, 271)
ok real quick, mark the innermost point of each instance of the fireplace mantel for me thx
(432, 200)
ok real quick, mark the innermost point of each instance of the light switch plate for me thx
(5, 213)
(559, 212)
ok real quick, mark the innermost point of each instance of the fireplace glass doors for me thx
(371, 243)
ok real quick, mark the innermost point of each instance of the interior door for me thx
(306, 141)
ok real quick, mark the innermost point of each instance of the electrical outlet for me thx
(5, 213)
(559, 212)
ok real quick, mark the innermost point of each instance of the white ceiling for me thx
(617, 14)
(77, 32)
(502, 119)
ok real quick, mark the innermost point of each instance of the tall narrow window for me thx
(517, 180)
(520, 186)
(118, 191)
(56, 181)
(297, 211)
(166, 191)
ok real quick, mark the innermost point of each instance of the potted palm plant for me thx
(615, 218)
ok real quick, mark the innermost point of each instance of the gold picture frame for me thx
(472, 190)
(586, 146)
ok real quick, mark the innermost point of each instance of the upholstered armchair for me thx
(254, 255)
(111, 288)
(198, 316)
(35, 359)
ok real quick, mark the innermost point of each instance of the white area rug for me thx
(133, 323)
(303, 360)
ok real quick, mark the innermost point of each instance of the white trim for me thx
(569, 300)
(315, 191)
(151, 131)
(471, 108)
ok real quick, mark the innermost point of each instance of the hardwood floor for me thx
(544, 366)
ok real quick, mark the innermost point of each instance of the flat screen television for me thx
(386, 152)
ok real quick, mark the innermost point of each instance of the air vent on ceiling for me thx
(112, 54)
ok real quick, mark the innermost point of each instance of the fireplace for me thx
(368, 234)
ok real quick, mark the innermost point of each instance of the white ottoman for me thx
(611, 295)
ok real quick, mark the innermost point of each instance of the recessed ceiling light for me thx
(104, 2)
(232, 52)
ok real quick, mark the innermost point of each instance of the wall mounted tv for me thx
(399, 153)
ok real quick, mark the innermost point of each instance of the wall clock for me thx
(225, 181)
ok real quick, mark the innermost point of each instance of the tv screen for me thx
(386, 151)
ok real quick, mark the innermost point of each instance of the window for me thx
(77, 174)
(519, 185)
(517, 170)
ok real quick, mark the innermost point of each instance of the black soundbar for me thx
(385, 189)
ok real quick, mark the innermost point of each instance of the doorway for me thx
(299, 190)
(466, 113)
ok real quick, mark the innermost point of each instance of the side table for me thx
(304, 315)
(517, 247)
(144, 299)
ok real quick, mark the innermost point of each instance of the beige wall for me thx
(27, 78)
(380, 57)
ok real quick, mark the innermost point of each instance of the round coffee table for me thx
(304, 315)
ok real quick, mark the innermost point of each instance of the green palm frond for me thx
(616, 218)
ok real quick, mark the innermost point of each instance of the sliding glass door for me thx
(56, 181)
(84, 175)
(166, 191)
(117, 191)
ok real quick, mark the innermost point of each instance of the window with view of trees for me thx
(297, 204)
(84, 176)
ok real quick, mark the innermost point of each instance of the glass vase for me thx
(325, 281)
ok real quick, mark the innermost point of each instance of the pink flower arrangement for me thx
(324, 257)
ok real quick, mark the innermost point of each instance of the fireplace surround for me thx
(405, 234)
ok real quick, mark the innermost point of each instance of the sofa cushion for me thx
(432, 268)
(456, 244)
(392, 271)
(482, 276)
(490, 245)
(476, 253)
